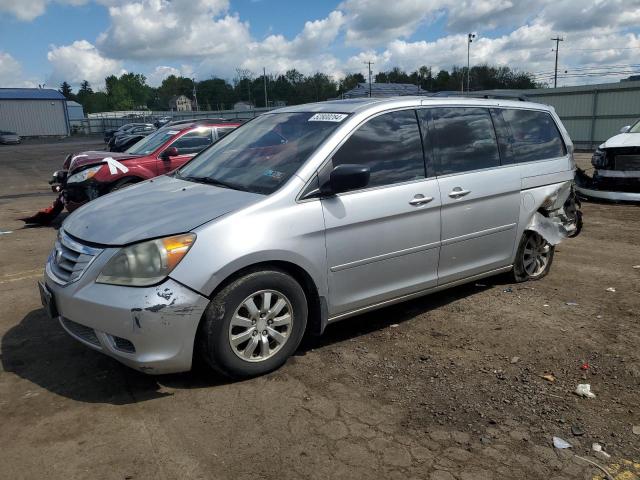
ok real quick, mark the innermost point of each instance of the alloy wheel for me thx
(261, 325)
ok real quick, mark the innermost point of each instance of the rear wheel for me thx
(254, 324)
(534, 258)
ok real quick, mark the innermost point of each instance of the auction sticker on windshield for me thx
(328, 117)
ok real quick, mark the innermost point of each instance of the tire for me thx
(532, 245)
(229, 330)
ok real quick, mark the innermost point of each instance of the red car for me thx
(88, 175)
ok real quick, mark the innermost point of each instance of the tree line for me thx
(130, 91)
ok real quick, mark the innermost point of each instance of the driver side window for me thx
(194, 141)
(389, 145)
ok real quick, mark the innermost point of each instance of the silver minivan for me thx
(308, 215)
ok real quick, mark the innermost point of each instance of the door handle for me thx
(458, 192)
(420, 199)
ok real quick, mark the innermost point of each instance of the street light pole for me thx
(470, 38)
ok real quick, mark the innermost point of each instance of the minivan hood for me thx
(155, 208)
(98, 156)
(623, 140)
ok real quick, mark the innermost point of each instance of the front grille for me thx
(627, 162)
(82, 332)
(123, 344)
(69, 259)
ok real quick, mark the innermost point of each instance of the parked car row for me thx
(302, 217)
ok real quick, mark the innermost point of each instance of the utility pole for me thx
(470, 38)
(369, 64)
(264, 78)
(555, 75)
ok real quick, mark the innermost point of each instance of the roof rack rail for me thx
(487, 95)
(206, 120)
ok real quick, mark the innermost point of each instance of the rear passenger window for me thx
(532, 136)
(193, 142)
(464, 139)
(389, 145)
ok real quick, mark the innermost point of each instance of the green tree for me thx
(65, 89)
(350, 81)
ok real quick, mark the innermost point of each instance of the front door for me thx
(480, 198)
(188, 145)
(383, 241)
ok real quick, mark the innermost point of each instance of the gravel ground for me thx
(445, 387)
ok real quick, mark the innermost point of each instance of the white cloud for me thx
(374, 22)
(27, 10)
(177, 29)
(161, 72)
(81, 61)
(11, 74)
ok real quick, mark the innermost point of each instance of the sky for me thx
(50, 41)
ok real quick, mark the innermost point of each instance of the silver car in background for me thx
(308, 215)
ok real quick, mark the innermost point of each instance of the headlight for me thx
(599, 158)
(146, 263)
(84, 174)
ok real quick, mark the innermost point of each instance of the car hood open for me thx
(623, 140)
(155, 208)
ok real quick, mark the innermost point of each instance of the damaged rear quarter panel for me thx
(541, 207)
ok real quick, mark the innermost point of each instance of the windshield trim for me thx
(231, 136)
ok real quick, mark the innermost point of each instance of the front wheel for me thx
(534, 258)
(254, 324)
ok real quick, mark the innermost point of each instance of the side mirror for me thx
(169, 152)
(625, 129)
(347, 177)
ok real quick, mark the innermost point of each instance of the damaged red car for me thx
(88, 175)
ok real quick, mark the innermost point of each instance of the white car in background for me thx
(617, 168)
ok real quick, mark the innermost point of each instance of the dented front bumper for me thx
(150, 329)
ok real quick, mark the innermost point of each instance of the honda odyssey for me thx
(308, 215)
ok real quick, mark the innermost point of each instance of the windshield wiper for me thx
(209, 181)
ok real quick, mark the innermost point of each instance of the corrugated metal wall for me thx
(592, 113)
(34, 117)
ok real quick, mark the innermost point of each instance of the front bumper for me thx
(149, 329)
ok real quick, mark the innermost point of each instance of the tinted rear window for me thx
(531, 136)
(464, 139)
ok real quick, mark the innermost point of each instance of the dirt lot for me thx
(444, 387)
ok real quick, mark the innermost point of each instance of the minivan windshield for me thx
(635, 128)
(262, 155)
(149, 144)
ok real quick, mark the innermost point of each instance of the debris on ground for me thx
(515, 359)
(560, 443)
(577, 431)
(549, 377)
(596, 447)
(636, 429)
(636, 267)
(508, 290)
(571, 304)
(584, 390)
(585, 366)
(394, 325)
(611, 289)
